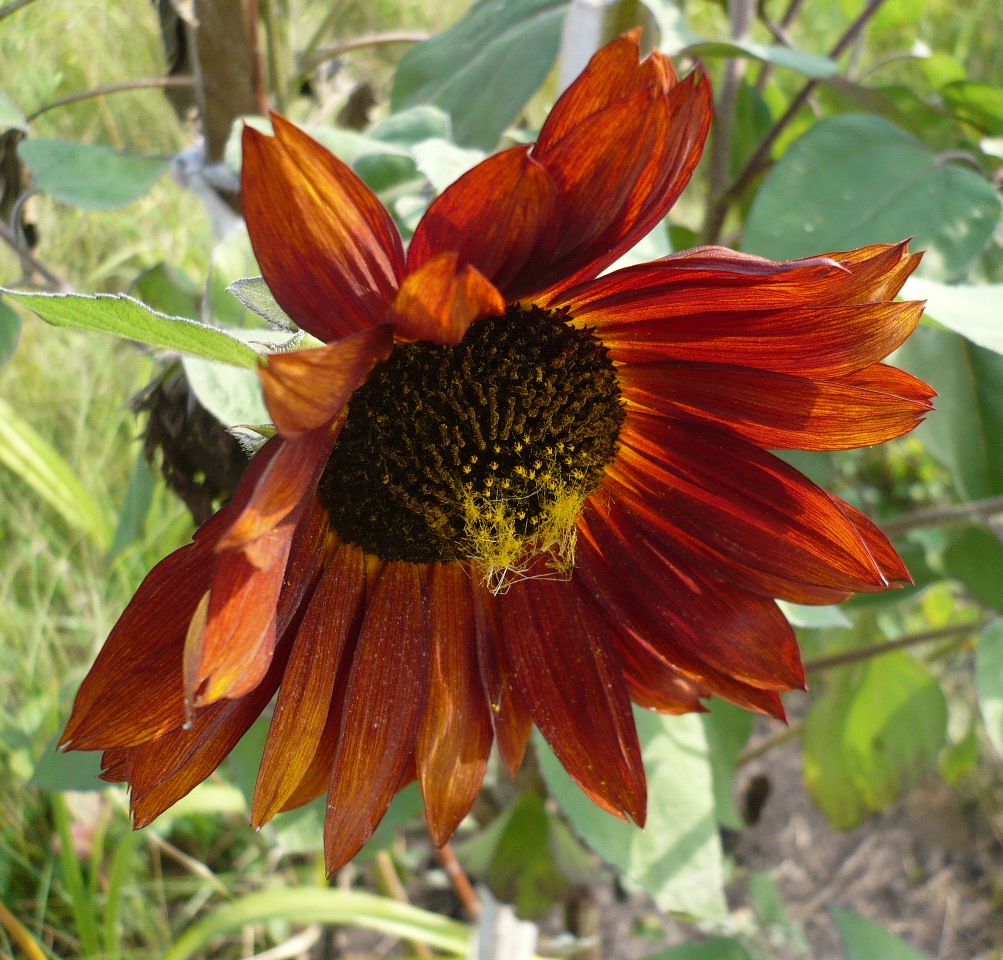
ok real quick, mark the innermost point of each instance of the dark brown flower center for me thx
(483, 451)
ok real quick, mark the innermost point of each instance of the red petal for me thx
(732, 500)
(509, 714)
(655, 685)
(307, 691)
(655, 630)
(438, 301)
(387, 694)
(497, 217)
(824, 342)
(162, 772)
(881, 550)
(454, 739)
(232, 653)
(725, 280)
(609, 197)
(778, 411)
(309, 388)
(703, 621)
(565, 663)
(329, 252)
(134, 691)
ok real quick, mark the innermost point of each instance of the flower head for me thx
(509, 491)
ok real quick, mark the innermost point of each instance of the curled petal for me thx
(715, 279)
(565, 663)
(439, 301)
(307, 389)
(454, 739)
(780, 411)
(328, 250)
(386, 699)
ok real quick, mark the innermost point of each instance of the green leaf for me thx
(989, 681)
(677, 39)
(715, 948)
(311, 905)
(871, 736)
(138, 497)
(484, 69)
(975, 557)
(11, 115)
(254, 294)
(73, 770)
(443, 162)
(133, 320)
(410, 127)
(677, 857)
(979, 104)
(973, 310)
(964, 433)
(863, 939)
(727, 729)
(10, 332)
(855, 179)
(814, 618)
(168, 290)
(88, 176)
(26, 454)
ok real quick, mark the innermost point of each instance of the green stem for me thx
(951, 513)
(141, 84)
(273, 53)
(120, 865)
(83, 906)
(877, 649)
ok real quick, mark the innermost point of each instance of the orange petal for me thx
(329, 252)
(509, 714)
(655, 685)
(609, 197)
(567, 669)
(307, 389)
(824, 342)
(305, 698)
(134, 691)
(722, 280)
(439, 301)
(162, 772)
(231, 655)
(454, 738)
(780, 411)
(498, 217)
(387, 693)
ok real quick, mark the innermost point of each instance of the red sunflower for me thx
(508, 491)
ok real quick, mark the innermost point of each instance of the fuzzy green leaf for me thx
(88, 176)
(125, 317)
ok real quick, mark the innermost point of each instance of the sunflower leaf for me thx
(10, 332)
(677, 857)
(125, 317)
(871, 736)
(714, 948)
(88, 176)
(855, 179)
(865, 940)
(989, 681)
(504, 51)
(973, 310)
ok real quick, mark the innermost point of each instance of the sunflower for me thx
(507, 490)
